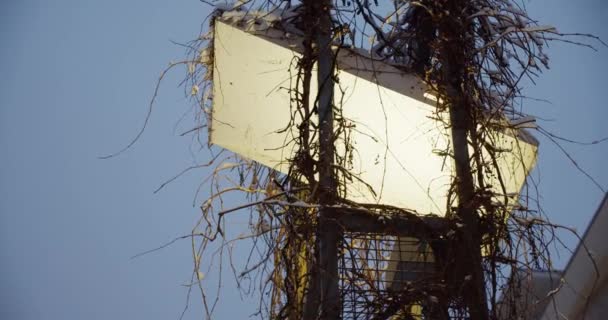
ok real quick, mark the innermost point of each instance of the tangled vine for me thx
(472, 55)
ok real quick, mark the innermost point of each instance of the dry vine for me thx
(472, 54)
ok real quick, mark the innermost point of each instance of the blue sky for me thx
(76, 79)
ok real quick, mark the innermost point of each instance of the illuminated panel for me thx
(398, 143)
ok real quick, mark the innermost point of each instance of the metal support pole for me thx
(453, 51)
(323, 299)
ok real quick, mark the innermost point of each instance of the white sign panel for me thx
(400, 148)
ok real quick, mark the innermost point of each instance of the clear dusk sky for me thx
(76, 77)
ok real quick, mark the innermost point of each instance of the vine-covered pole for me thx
(455, 54)
(323, 298)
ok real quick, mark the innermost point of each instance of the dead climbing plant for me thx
(472, 55)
